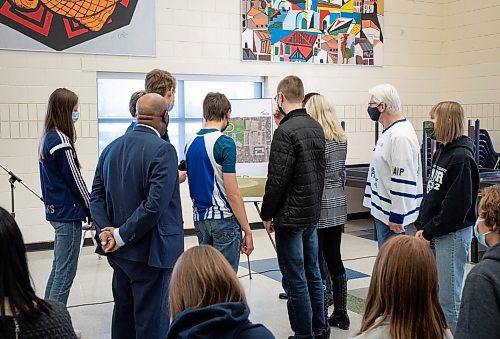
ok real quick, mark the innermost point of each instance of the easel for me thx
(256, 202)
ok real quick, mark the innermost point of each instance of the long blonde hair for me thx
(320, 109)
(450, 120)
(203, 277)
(404, 290)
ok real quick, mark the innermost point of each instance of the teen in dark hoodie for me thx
(480, 308)
(207, 300)
(448, 209)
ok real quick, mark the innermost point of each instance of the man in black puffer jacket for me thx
(292, 206)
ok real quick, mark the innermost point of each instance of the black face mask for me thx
(280, 108)
(225, 127)
(166, 121)
(374, 113)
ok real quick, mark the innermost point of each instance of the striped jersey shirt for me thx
(394, 184)
(208, 155)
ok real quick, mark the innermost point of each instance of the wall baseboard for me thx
(189, 232)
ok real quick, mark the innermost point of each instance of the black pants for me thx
(329, 248)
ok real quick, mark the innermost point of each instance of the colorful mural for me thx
(64, 25)
(348, 32)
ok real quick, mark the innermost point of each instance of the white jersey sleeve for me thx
(405, 187)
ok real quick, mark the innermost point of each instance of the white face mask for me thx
(481, 237)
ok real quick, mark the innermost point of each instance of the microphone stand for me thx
(12, 180)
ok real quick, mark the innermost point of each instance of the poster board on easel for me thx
(251, 127)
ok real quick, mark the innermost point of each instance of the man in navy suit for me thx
(136, 207)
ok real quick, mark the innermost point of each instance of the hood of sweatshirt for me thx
(493, 253)
(225, 320)
(461, 142)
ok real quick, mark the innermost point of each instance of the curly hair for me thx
(490, 206)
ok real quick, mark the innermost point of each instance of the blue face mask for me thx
(481, 238)
(171, 106)
(75, 116)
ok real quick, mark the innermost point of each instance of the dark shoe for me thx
(324, 335)
(339, 318)
(283, 295)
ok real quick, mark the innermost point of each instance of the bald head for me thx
(152, 111)
(151, 104)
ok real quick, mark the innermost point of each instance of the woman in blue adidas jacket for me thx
(64, 192)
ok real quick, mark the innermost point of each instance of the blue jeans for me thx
(224, 235)
(451, 256)
(68, 236)
(297, 250)
(383, 232)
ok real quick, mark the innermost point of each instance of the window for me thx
(114, 91)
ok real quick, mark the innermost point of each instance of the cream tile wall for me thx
(434, 50)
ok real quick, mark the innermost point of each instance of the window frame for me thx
(180, 119)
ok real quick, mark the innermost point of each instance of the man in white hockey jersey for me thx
(394, 185)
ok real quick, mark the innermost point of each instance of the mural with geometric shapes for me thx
(344, 32)
(63, 24)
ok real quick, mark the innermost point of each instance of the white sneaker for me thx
(78, 333)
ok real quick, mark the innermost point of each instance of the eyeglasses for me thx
(375, 103)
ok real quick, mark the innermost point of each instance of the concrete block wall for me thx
(427, 57)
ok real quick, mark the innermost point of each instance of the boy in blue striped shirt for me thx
(218, 209)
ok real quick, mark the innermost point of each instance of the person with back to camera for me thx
(218, 209)
(64, 191)
(207, 300)
(394, 185)
(323, 267)
(22, 313)
(333, 206)
(480, 308)
(402, 301)
(448, 210)
(136, 206)
(291, 207)
(132, 109)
